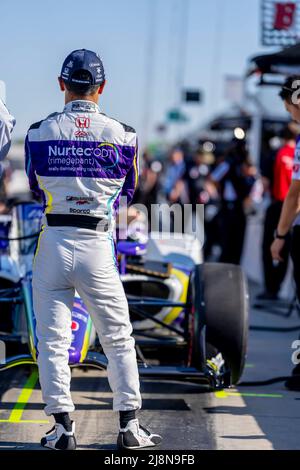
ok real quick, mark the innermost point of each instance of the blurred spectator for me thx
(5, 202)
(147, 190)
(201, 192)
(174, 187)
(278, 186)
(7, 123)
(173, 182)
(235, 177)
(196, 175)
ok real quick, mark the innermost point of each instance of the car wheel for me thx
(226, 314)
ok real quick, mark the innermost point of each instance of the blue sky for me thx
(37, 35)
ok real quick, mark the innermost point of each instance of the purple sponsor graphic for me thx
(79, 324)
(81, 158)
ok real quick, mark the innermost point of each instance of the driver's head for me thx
(290, 94)
(82, 76)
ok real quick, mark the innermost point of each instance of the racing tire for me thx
(226, 314)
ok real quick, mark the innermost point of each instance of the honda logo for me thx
(82, 122)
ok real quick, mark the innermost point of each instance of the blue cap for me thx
(83, 59)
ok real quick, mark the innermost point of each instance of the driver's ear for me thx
(101, 88)
(62, 85)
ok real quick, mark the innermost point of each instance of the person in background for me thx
(200, 191)
(274, 274)
(173, 182)
(235, 177)
(174, 188)
(289, 217)
(196, 175)
(147, 191)
(7, 123)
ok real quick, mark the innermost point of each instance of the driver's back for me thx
(81, 161)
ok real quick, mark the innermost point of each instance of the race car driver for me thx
(7, 123)
(82, 162)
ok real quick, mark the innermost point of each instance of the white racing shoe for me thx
(135, 437)
(60, 439)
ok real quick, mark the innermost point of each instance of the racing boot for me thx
(134, 437)
(60, 439)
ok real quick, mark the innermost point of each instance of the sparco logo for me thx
(82, 122)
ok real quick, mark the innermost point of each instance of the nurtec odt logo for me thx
(74, 155)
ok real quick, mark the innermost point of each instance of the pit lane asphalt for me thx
(260, 417)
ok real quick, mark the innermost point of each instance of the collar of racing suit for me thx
(81, 106)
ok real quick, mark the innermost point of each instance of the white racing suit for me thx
(81, 161)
